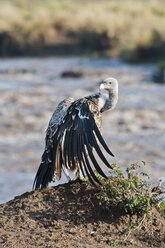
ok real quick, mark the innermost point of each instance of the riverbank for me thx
(121, 29)
(70, 215)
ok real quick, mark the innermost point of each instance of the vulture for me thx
(73, 137)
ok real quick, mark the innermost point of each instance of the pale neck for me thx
(107, 99)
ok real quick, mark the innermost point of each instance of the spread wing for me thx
(73, 144)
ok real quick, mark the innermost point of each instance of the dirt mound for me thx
(71, 215)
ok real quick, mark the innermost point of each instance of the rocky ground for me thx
(30, 90)
(71, 215)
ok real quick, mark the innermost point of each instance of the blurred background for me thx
(52, 49)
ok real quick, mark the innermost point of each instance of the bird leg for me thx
(77, 174)
(66, 174)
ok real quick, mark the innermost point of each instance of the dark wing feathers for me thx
(79, 139)
(99, 136)
(79, 155)
(73, 144)
(92, 157)
(97, 148)
(86, 164)
(65, 148)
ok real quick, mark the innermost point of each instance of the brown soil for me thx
(70, 215)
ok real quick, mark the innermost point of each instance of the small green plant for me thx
(159, 74)
(130, 191)
(161, 65)
(85, 179)
(161, 207)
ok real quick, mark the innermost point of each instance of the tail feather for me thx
(43, 175)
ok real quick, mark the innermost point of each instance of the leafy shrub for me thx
(131, 192)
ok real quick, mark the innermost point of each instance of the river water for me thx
(30, 89)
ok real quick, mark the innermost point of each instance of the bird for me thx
(73, 137)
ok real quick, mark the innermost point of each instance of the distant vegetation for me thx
(132, 30)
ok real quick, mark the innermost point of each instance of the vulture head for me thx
(109, 84)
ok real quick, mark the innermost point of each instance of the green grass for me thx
(109, 28)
